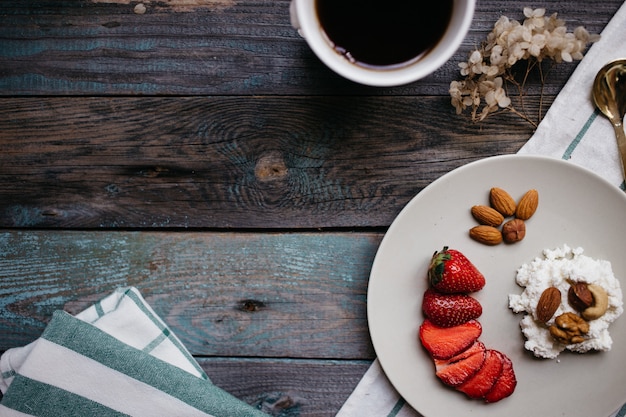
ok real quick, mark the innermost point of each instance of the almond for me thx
(527, 205)
(549, 302)
(487, 235)
(487, 216)
(502, 201)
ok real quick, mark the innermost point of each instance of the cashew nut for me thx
(600, 303)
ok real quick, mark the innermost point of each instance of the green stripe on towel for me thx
(157, 341)
(396, 408)
(130, 293)
(36, 398)
(572, 146)
(579, 137)
(8, 374)
(89, 341)
(99, 310)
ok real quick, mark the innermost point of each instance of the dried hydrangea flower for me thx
(488, 69)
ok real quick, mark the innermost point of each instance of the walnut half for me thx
(569, 328)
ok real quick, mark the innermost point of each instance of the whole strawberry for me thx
(447, 310)
(451, 272)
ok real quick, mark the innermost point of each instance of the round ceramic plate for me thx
(577, 208)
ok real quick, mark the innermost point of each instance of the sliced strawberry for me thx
(483, 380)
(505, 385)
(451, 272)
(447, 310)
(446, 342)
(461, 367)
(478, 346)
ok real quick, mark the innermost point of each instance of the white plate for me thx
(577, 208)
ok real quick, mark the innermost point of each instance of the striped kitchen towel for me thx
(572, 130)
(117, 358)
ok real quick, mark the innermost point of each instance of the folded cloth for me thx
(570, 130)
(117, 358)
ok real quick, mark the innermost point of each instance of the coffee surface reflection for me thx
(384, 34)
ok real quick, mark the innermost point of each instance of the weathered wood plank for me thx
(236, 162)
(206, 47)
(288, 387)
(240, 294)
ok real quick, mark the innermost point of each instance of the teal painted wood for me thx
(209, 47)
(235, 162)
(300, 295)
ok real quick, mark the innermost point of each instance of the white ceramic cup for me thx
(304, 19)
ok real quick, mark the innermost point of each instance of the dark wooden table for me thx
(200, 152)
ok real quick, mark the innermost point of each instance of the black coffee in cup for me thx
(384, 33)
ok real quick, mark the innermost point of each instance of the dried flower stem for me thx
(489, 69)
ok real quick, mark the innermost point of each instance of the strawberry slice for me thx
(505, 385)
(446, 342)
(447, 310)
(460, 368)
(451, 272)
(483, 381)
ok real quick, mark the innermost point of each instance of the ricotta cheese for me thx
(554, 269)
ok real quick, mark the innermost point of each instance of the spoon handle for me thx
(621, 144)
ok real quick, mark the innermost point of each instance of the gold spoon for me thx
(609, 94)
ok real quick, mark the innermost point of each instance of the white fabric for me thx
(117, 358)
(69, 376)
(573, 130)
(132, 321)
(121, 316)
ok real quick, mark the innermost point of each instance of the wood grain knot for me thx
(284, 403)
(270, 167)
(250, 306)
(157, 171)
(281, 404)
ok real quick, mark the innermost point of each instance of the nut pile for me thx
(492, 229)
(564, 280)
(589, 300)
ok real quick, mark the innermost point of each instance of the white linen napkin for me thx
(571, 130)
(117, 358)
